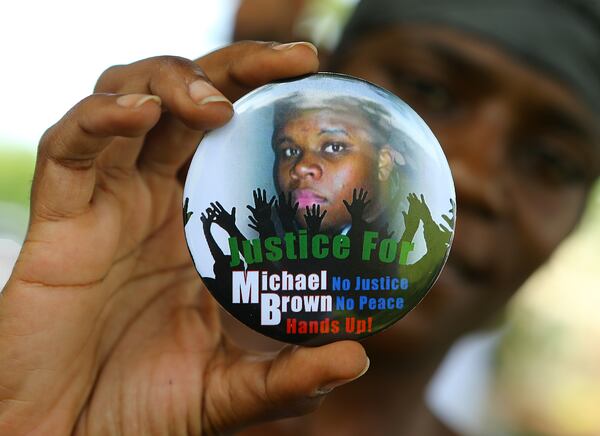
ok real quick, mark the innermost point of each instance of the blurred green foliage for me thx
(16, 174)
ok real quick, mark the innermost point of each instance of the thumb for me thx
(294, 382)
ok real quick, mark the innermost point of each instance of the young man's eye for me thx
(427, 94)
(334, 147)
(550, 166)
(289, 152)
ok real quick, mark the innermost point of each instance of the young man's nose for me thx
(477, 150)
(307, 166)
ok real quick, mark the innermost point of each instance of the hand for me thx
(187, 215)
(314, 218)
(443, 233)
(417, 207)
(223, 218)
(261, 212)
(450, 218)
(415, 212)
(208, 217)
(356, 209)
(105, 327)
(286, 210)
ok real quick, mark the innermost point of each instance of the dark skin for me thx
(523, 152)
(105, 327)
(321, 157)
(521, 197)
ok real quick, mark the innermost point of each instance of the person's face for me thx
(321, 157)
(521, 149)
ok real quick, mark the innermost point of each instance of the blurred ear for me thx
(385, 163)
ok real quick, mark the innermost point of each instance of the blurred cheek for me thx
(545, 216)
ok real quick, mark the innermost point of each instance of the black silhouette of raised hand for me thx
(186, 215)
(314, 218)
(223, 218)
(208, 218)
(261, 214)
(286, 210)
(356, 209)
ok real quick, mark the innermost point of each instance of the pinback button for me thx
(324, 210)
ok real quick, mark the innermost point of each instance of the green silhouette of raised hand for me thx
(412, 217)
(443, 234)
(186, 215)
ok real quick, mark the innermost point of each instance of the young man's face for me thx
(522, 152)
(321, 156)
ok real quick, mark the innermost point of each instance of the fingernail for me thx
(336, 384)
(136, 100)
(294, 44)
(203, 92)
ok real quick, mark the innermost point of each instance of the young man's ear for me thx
(385, 163)
(387, 158)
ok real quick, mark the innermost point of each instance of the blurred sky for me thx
(53, 52)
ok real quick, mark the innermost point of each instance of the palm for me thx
(156, 370)
(140, 267)
(169, 335)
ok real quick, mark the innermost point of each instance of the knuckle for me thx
(172, 61)
(56, 140)
(106, 82)
(52, 147)
(47, 136)
(176, 64)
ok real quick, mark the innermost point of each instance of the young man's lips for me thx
(308, 197)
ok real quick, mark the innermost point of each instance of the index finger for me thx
(65, 175)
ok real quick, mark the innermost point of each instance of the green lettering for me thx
(273, 247)
(317, 251)
(234, 249)
(369, 244)
(341, 246)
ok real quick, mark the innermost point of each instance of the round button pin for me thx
(324, 210)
